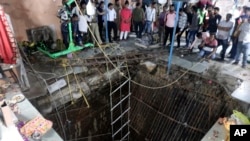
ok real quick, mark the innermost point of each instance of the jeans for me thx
(161, 33)
(100, 25)
(191, 36)
(224, 44)
(138, 27)
(204, 53)
(233, 51)
(65, 36)
(242, 48)
(148, 27)
(168, 32)
(78, 39)
(112, 25)
(179, 36)
(186, 36)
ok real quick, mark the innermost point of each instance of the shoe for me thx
(220, 59)
(244, 66)
(235, 63)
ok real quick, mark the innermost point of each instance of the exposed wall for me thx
(27, 14)
(31, 13)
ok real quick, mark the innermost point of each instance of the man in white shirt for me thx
(243, 43)
(223, 34)
(150, 17)
(111, 16)
(75, 10)
(94, 25)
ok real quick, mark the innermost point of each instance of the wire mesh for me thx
(185, 111)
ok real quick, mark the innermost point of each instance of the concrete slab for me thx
(243, 92)
(192, 66)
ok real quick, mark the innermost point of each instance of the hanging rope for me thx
(70, 90)
(117, 69)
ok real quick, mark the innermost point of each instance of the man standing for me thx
(243, 43)
(162, 24)
(125, 23)
(65, 31)
(138, 19)
(111, 17)
(117, 8)
(238, 20)
(223, 34)
(213, 21)
(194, 26)
(217, 15)
(150, 17)
(100, 13)
(94, 26)
(169, 24)
(181, 26)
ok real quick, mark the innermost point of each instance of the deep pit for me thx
(183, 111)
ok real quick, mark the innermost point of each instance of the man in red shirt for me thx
(208, 47)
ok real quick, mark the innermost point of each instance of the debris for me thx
(149, 65)
(244, 74)
(81, 69)
(56, 86)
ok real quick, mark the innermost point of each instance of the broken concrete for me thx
(71, 92)
(150, 66)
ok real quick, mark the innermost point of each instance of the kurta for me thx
(125, 22)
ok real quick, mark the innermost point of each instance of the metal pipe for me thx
(106, 22)
(174, 32)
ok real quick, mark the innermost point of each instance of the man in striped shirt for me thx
(182, 23)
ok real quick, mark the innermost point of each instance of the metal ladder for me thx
(120, 110)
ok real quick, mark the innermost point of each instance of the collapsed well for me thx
(183, 111)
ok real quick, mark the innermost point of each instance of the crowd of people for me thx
(202, 23)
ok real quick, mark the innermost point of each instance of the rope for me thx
(117, 69)
(70, 90)
(81, 91)
(89, 137)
